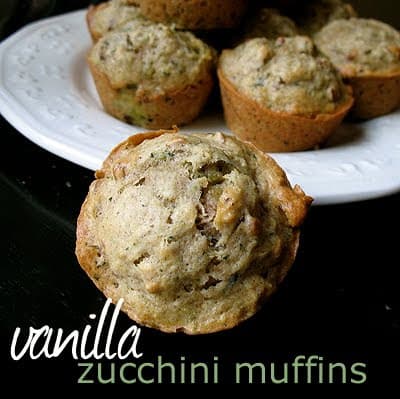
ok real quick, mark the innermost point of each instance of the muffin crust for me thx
(195, 14)
(194, 232)
(367, 54)
(288, 75)
(361, 46)
(109, 16)
(152, 75)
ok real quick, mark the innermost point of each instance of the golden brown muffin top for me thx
(286, 75)
(111, 15)
(195, 14)
(192, 231)
(361, 46)
(151, 57)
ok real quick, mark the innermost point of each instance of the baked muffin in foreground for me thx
(194, 232)
(281, 95)
(313, 15)
(109, 16)
(195, 14)
(269, 23)
(367, 54)
(151, 75)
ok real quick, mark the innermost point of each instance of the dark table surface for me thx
(341, 300)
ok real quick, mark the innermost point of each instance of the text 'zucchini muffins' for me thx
(194, 232)
(367, 53)
(195, 14)
(282, 95)
(151, 75)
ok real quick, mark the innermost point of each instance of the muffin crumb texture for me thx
(194, 232)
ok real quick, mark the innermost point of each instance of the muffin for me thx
(315, 14)
(193, 232)
(195, 14)
(367, 54)
(269, 23)
(110, 15)
(151, 75)
(282, 95)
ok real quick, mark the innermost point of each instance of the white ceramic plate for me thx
(47, 93)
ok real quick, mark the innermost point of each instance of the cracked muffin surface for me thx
(194, 232)
(367, 54)
(361, 46)
(152, 57)
(286, 75)
(110, 15)
(151, 75)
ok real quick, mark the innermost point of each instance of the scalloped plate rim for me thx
(326, 191)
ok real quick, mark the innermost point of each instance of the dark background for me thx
(340, 301)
